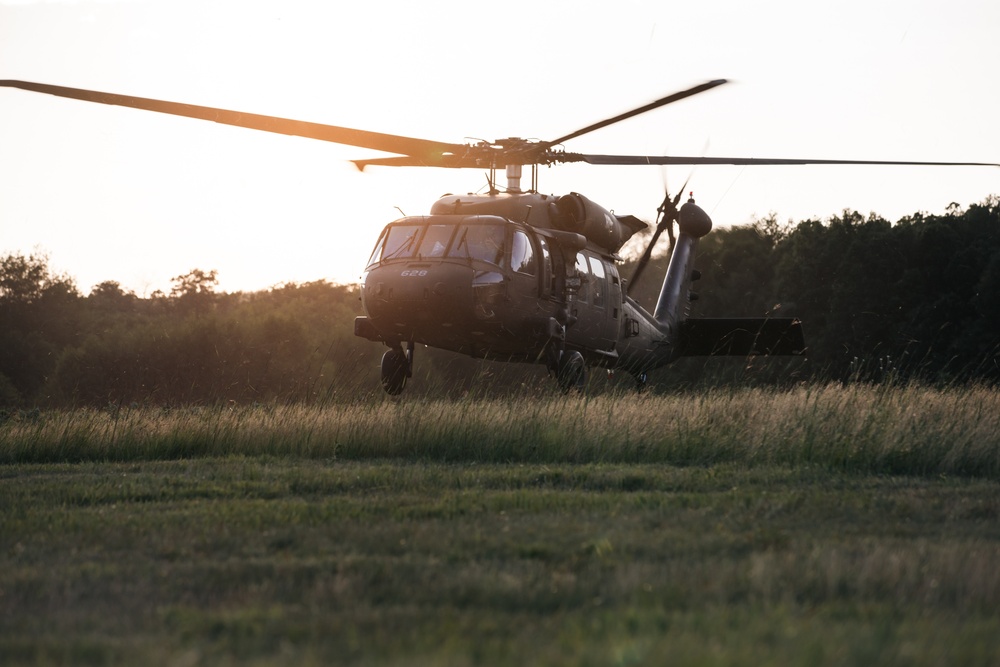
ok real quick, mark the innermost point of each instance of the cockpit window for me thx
(522, 259)
(377, 252)
(483, 242)
(400, 242)
(436, 240)
(470, 241)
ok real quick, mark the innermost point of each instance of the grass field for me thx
(820, 526)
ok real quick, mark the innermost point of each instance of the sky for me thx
(108, 193)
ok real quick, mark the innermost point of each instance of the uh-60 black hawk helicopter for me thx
(516, 275)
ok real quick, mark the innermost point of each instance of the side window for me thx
(598, 285)
(521, 256)
(377, 252)
(548, 276)
(584, 272)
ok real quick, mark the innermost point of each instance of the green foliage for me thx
(918, 299)
(858, 428)
(903, 296)
(267, 347)
(39, 317)
(253, 559)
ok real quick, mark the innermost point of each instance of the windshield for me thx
(483, 242)
(397, 241)
(436, 240)
(400, 241)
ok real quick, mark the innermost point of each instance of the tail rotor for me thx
(666, 215)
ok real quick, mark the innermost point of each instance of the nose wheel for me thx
(572, 373)
(397, 366)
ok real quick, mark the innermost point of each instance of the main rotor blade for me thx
(439, 160)
(663, 101)
(390, 143)
(470, 160)
(751, 161)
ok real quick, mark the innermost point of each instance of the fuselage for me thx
(506, 277)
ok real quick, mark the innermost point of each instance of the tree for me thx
(25, 280)
(39, 314)
(195, 290)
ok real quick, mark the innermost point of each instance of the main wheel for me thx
(572, 372)
(394, 367)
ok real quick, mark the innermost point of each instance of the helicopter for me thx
(517, 275)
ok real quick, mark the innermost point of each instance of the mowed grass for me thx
(821, 526)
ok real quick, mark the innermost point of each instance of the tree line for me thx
(918, 299)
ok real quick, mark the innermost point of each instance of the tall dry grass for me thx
(897, 430)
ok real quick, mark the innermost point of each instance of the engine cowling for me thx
(576, 213)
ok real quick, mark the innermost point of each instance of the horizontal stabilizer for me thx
(741, 337)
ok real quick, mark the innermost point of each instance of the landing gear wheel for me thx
(572, 372)
(395, 368)
(640, 382)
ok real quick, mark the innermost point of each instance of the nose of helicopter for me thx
(415, 300)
